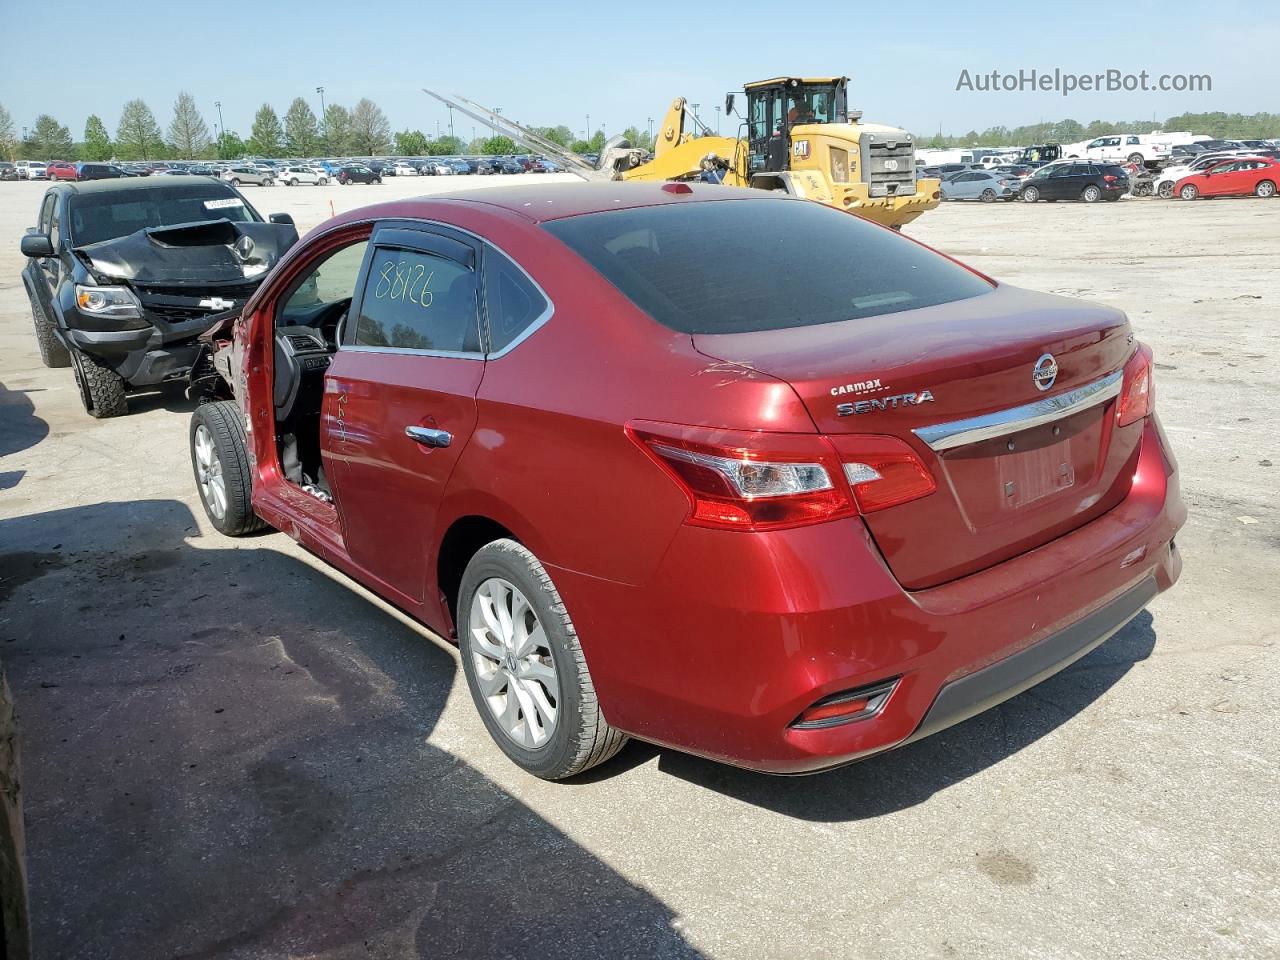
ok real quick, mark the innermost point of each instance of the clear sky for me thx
(550, 62)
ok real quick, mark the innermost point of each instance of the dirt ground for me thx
(232, 751)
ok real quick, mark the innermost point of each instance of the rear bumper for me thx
(736, 634)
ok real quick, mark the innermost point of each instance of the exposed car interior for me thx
(307, 326)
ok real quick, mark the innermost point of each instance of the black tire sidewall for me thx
(239, 517)
(548, 760)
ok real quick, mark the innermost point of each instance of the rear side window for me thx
(735, 266)
(418, 301)
(513, 303)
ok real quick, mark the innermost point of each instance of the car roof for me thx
(557, 201)
(133, 183)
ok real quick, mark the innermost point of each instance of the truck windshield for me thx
(734, 266)
(117, 213)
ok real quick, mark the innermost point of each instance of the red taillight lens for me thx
(1137, 392)
(883, 471)
(760, 481)
(1110, 178)
(749, 481)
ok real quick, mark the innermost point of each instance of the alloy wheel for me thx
(514, 667)
(213, 488)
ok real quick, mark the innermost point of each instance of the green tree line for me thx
(361, 130)
(1230, 126)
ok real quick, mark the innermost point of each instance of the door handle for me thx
(429, 437)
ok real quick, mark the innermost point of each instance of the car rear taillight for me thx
(883, 471)
(1109, 178)
(1137, 392)
(748, 481)
(760, 481)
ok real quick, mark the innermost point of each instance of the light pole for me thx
(324, 128)
(588, 126)
(651, 133)
(695, 113)
(717, 120)
(222, 127)
(492, 129)
(451, 121)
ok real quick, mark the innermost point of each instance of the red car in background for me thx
(61, 170)
(1235, 177)
(732, 472)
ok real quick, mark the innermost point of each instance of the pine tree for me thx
(188, 133)
(97, 142)
(301, 132)
(138, 134)
(266, 138)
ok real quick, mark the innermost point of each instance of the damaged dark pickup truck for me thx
(124, 276)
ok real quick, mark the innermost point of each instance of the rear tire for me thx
(220, 463)
(53, 352)
(293, 182)
(1091, 194)
(235, 182)
(1265, 188)
(1189, 192)
(988, 196)
(541, 659)
(102, 390)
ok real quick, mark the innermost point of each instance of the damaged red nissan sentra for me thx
(727, 471)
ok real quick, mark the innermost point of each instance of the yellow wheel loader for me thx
(798, 137)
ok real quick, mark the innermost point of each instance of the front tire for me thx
(1137, 158)
(1265, 188)
(525, 668)
(1165, 190)
(220, 462)
(1030, 194)
(102, 390)
(1189, 192)
(53, 352)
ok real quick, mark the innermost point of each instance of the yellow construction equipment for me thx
(798, 136)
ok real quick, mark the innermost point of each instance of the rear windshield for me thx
(105, 216)
(737, 266)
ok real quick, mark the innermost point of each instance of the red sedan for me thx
(1236, 177)
(731, 472)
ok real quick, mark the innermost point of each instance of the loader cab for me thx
(774, 107)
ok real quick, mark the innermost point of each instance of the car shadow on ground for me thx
(226, 755)
(911, 775)
(168, 396)
(20, 428)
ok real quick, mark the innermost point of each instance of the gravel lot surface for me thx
(233, 751)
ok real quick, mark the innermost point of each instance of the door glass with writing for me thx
(417, 301)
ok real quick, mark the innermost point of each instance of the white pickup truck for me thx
(1121, 148)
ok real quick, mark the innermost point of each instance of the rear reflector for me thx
(845, 707)
(1137, 393)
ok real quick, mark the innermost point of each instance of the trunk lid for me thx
(943, 367)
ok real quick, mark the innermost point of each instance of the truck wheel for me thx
(1030, 194)
(525, 668)
(1265, 188)
(101, 389)
(1137, 158)
(53, 352)
(1091, 194)
(220, 461)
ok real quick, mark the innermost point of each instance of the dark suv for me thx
(357, 173)
(123, 275)
(1076, 180)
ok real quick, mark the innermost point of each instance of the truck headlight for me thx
(118, 303)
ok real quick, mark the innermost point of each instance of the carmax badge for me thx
(884, 403)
